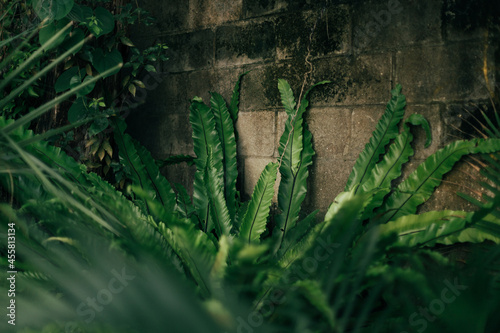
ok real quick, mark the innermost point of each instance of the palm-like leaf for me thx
(217, 204)
(255, 219)
(386, 130)
(225, 128)
(205, 137)
(389, 168)
(419, 185)
(296, 154)
(143, 170)
(235, 99)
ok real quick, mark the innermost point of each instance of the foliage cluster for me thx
(91, 39)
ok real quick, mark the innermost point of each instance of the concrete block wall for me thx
(443, 52)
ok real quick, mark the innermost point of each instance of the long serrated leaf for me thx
(219, 267)
(196, 251)
(254, 222)
(225, 129)
(287, 99)
(389, 168)
(162, 188)
(413, 229)
(217, 203)
(311, 289)
(292, 191)
(235, 98)
(385, 131)
(142, 170)
(184, 205)
(297, 243)
(296, 152)
(419, 185)
(205, 138)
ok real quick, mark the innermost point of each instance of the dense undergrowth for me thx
(91, 258)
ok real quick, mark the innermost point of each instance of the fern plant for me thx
(297, 275)
(224, 227)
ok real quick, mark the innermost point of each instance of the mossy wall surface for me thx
(443, 52)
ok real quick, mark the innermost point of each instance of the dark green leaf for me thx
(77, 111)
(386, 130)
(225, 129)
(217, 203)
(205, 138)
(99, 125)
(419, 185)
(80, 13)
(126, 41)
(103, 61)
(378, 182)
(50, 30)
(255, 219)
(106, 21)
(235, 98)
(63, 82)
(75, 37)
(150, 68)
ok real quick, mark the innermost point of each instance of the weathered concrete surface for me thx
(256, 133)
(444, 52)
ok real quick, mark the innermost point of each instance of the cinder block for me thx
(469, 19)
(294, 33)
(174, 135)
(200, 83)
(171, 16)
(354, 80)
(328, 178)
(256, 131)
(331, 130)
(444, 73)
(225, 80)
(245, 43)
(170, 95)
(203, 13)
(259, 88)
(163, 136)
(293, 72)
(252, 8)
(364, 121)
(190, 51)
(391, 24)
